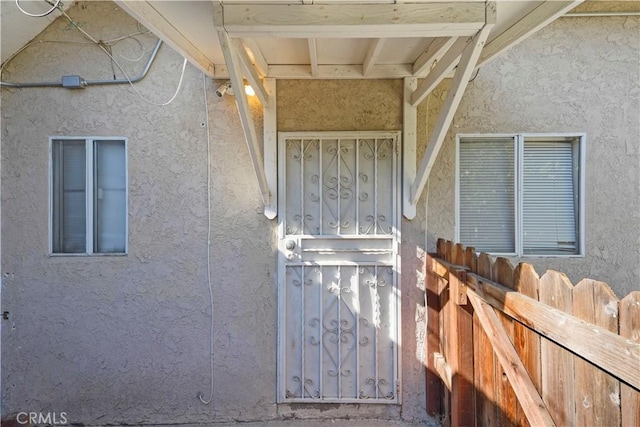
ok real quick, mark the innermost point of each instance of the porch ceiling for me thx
(337, 38)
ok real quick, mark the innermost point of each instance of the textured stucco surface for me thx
(576, 75)
(125, 339)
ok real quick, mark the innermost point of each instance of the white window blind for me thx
(89, 196)
(486, 194)
(521, 194)
(548, 198)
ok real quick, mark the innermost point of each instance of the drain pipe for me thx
(77, 82)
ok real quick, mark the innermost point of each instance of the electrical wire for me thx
(126, 58)
(126, 76)
(39, 15)
(105, 46)
(111, 42)
(206, 111)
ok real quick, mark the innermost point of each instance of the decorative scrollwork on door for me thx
(338, 246)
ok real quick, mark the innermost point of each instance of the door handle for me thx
(290, 245)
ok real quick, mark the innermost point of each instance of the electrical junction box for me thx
(73, 82)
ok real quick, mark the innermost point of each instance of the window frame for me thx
(518, 141)
(89, 196)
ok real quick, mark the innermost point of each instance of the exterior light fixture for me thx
(226, 89)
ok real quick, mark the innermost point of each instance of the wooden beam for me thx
(616, 355)
(233, 64)
(256, 56)
(328, 71)
(409, 132)
(353, 20)
(466, 66)
(435, 51)
(147, 15)
(249, 72)
(313, 56)
(271, 148)
(538, 18)
(339, 71)
(528, 397)
(441, 70)
(372, 55)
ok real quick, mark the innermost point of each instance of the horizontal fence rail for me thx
(508, 347)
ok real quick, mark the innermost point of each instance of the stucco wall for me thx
(576, 75)
(125, 339)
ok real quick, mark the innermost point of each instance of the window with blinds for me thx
(88, 196)
(487, 194)
(521, 194)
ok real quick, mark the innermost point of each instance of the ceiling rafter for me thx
(434, 52)
(353, 20)
(372, 56)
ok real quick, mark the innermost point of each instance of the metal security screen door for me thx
(338, 276)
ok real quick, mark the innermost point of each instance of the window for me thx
(88, 196)
(521, 194)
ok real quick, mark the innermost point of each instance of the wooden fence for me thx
(507, 347)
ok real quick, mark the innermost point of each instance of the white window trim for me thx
(89, 142)
(518, 159)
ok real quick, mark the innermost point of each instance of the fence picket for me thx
(556, 362)
(441, 248)
(484, 376)
(597, 393)
(432, 304)
(446, 325)
(470, 259)
(484, 266)
(461, 361)
(457, 254)
(630, 328)
(508, 411)
(527, 343)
